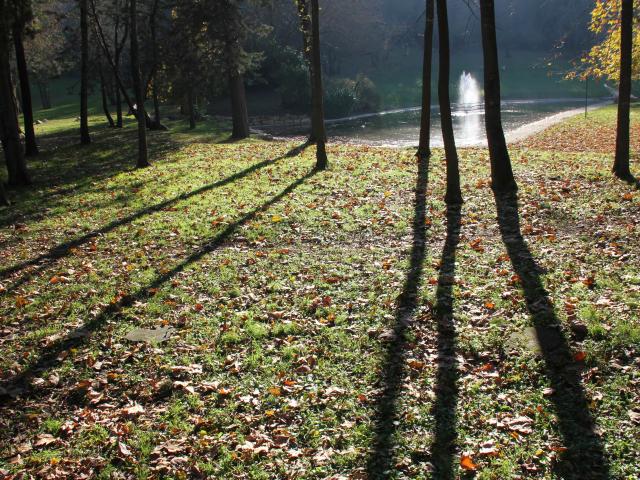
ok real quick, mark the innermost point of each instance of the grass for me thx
(289, 291)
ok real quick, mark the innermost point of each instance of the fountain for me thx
(470, 109)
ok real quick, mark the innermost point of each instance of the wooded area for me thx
(208, 273)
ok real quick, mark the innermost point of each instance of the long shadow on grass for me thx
(444, 410)
(63, 249)
(49, 356)
(585, 457)
(380, 459)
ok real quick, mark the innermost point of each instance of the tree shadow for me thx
(63, 249)
(380, 459)
(49, 356)
(444, 409)
(585, 457)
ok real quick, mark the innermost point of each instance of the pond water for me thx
(400, 128)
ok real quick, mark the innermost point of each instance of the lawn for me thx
(324, 325)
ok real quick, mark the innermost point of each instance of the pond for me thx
(400, 128)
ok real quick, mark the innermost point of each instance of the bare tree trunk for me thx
(305, 26)
(191, 110)
(105, 102)
(45, 98)
(143, 156)
(239, 112)
(4, 198)
(31, 147)
(156, 105)
(118, 107)
(621, 165)
(502, 180)
(454, 194)
(424, 148)
(85, 139)
(9, 126)
(317, 94)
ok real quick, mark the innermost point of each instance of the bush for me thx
(340, 100)
(367, 96)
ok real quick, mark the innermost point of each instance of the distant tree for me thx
(424, 149)
(502, 180)
(9, 126)
(103, 94)
(453, 195)
(47, 47)
(232, 34)
(143, 155)
(85, 139)
(318, 103)
(621, 164)
(23, 16)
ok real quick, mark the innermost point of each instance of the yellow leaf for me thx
(466, 462)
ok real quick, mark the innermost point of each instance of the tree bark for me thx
(621, 164)
(85, 139)
(317, 92)
(502, 180)
(454, 194)
(9, 126)
(31, 147)
(424, 147)
(143, 156)
(105, 102)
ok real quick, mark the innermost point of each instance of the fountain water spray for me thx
(470, 109)
(468, 92)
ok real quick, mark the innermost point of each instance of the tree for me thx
(232, 34)
(9, 126)
(19, 25)
(305, 27)
(502, 180)
(143, 156)
(47, 47)
(424, 149)
(603, 59)
(453, 195)
(621, 164)
(317, 100)
(85, 139)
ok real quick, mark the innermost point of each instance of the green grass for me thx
(283, 287)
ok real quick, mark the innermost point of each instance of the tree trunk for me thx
(45, 98)
(143, 157)
(4, 198)
(621, 164)
(85, 139)
(25, 94)
(502, 180)
(239, 112)
(105, 101)
(317, 93)
(424, 148)
(156, 105)
(453, 195)
(305, 26)
(191, 110)
(118, 107)
(9, 126)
